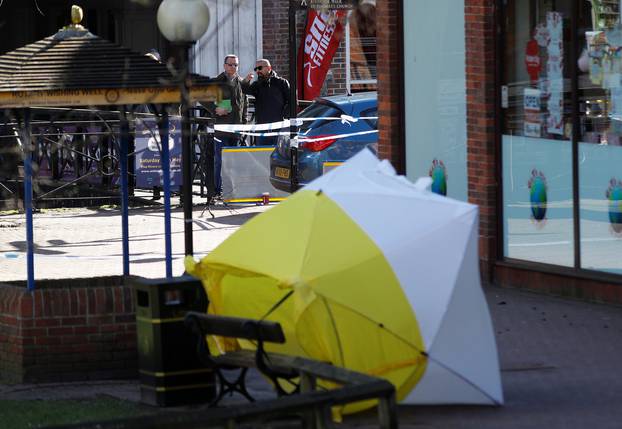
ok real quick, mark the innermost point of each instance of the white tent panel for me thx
(439, 386)
(465, 342)
(428, 272)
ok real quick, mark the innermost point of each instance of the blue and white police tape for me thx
(303, 139)
(277, 128)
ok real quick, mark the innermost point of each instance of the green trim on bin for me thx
(175, 373)
(172, 389)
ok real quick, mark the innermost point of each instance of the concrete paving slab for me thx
(79, 242)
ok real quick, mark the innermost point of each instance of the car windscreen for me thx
(318, 110)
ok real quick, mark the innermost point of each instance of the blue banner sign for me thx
(148, 165)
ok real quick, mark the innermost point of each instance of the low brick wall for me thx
(67, 330)
(558, 284)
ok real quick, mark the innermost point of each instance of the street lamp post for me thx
(183, 22)
(293, 102)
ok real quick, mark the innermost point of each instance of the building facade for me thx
(353, 68)
(235, 27)
(514, 106)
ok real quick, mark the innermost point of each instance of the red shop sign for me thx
(532, 60)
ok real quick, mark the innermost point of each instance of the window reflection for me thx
(536, 99)
(600, 135)
(536, 93)
(362, 42)
(537, 132)
(600, 67)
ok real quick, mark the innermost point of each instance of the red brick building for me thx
(361, 31)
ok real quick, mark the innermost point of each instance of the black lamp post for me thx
(183, 22)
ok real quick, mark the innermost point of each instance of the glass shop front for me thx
(561, 142)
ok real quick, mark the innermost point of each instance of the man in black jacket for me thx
(271, 94)
(231, 110)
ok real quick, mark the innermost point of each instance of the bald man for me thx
(271, 93)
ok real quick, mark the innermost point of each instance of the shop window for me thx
(547, 44)
(600, 136)
(361, 48)
(537, 128)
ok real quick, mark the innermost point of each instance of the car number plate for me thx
(281, 172)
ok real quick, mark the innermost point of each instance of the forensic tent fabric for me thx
(367, 271)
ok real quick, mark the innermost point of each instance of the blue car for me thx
(335, 140)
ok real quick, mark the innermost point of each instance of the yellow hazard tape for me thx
(172, 389)
(158, 321)
(253, 200)
(250, 149)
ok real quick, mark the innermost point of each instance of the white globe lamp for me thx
(183, 20)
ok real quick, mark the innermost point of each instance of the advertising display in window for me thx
(536, 64)
(537, 132)
(435, 108)
(361, 48)
(600, 136)
(551, 47)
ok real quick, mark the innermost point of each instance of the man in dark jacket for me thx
(271, 94)
(231, 110)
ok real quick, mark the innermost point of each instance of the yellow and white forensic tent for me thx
(370, 272)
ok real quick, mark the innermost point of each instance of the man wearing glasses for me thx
(271, 93)
(231, 110)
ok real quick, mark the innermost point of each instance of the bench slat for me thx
(236, 327)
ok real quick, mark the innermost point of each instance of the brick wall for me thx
(276, 45)
(335, 82)
(390, 87)
(67, 330)
(275, 35)
(564, 285)
(482, 174)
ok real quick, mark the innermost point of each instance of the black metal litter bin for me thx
(170, 371)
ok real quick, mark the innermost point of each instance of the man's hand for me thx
(222, 111)
(249, 77)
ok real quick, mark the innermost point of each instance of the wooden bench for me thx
(261, 331)
(355, 386)
(308, 403)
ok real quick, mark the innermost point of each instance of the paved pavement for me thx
(560, 359)
(88, 241)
